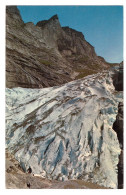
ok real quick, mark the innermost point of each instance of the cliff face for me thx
(118, 78)
(118, 124)
(30, 62)
(118, 127)
(46, 54)
(75, 42)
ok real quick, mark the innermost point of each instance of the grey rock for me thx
(46, 54)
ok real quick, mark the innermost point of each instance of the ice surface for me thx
(66, 132)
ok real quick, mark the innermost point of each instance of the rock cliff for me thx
(118, 124)
(46, 54)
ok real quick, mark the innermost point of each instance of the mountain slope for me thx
(46, 54)
(66, 132)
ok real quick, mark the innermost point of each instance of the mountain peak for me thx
(61, 54)
(13, 10)
(44, 22)
(55, 17)
(13, 16)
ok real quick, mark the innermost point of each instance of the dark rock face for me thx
(74, 42)
(118, 124)
(44, 22)
(118, 127)
(13, 10)
(46, 54)
(118, 78)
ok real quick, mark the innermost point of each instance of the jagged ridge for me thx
(46, 54)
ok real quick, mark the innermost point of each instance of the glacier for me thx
(65, 132)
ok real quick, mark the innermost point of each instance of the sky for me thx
(102, 26)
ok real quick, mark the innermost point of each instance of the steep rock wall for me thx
(46, 54)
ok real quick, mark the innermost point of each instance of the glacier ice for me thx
(66, 132)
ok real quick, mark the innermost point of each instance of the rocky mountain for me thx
(65, 132)
(46, 54)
